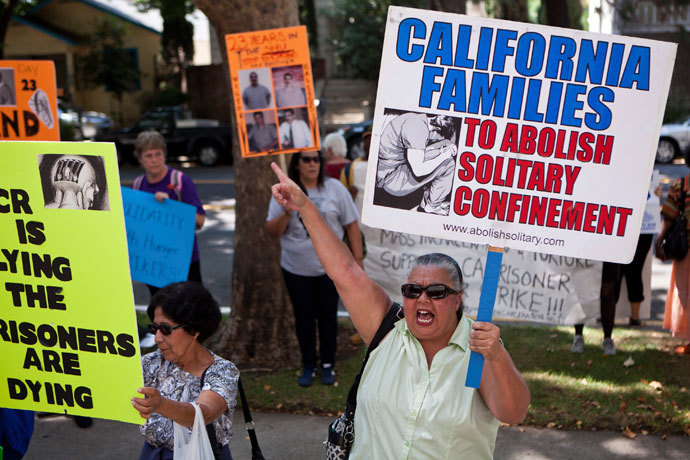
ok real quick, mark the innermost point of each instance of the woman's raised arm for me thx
(365, 300)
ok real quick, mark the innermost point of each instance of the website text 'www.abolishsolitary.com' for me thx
(497, 233)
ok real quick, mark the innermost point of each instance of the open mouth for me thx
(424, 317)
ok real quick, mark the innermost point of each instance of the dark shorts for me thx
(149, 452)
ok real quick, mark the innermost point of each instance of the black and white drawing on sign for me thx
(8, 93)
(416, 161)
(73, 182)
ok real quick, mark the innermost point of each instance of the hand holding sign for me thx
(484, 339)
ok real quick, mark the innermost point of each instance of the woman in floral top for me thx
(184, 315)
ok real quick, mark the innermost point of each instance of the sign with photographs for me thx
(515, 135)
(270, 73)
(68, 333)
(28, 101)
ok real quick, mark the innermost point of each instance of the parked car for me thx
(353, 137)
(207, 140)
(674, 141)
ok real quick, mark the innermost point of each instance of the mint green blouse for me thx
(406, 410)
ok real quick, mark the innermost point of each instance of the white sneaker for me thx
(578, 345)
(609, 348)
(148, 341)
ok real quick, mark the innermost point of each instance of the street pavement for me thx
(288, 436)
(300, 437)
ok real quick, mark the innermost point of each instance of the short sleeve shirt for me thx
(406, 410)
(297, 254)
(188, 195)
(176, 384)
(256, 97)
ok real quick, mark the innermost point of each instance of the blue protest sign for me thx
(160, 237)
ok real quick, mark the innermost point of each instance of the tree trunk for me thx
(447, 6)
(260, 332)
(557, 13)
(512, 10)
(6, 11)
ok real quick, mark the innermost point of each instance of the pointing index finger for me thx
(279, 172)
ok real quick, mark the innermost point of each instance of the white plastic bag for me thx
(195, 446)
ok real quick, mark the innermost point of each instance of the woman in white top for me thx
(312, 293)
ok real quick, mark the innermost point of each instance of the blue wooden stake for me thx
(486, 310)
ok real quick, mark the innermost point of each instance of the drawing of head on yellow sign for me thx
(28, 101)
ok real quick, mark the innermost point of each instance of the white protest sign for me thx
(516, 135)
(651, 222)
(535, 287)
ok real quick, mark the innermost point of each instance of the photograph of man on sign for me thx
(416, 161)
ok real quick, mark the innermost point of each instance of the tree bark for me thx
(6, 11)
(448, 6)
(557, 13)
(260, 332)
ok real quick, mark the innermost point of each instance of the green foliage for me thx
(358, 28)
(177, 40)
(107, 63)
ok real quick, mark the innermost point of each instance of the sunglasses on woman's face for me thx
(165, 329)
(433, 291)
(308, 160)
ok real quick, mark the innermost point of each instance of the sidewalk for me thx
(300, 437)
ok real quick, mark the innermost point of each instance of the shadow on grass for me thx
(644, 386)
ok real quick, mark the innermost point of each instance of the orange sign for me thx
(28, 101)
(270, 73)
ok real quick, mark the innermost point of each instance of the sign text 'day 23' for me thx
(516, 135)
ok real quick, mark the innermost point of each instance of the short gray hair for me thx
(147, 140)
(337, 144)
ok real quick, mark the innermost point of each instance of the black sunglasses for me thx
(433, 291)
(310, 159)
(165, 329)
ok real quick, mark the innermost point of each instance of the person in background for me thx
(611, 277)
(167, 183)
(411, 401)
(335, 148)
(183, 315)
(312, 293)
(357, 169)
(16, 429)
(676, 316)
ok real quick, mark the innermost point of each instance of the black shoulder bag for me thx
(341, 433)
(675, 241)
(215, 446)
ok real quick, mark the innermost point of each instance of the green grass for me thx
(590, 391)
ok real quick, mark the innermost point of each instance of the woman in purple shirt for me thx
(167, 183)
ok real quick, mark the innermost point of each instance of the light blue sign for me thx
(160, 237)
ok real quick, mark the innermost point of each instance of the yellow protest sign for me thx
(28, 101)
(68, 336)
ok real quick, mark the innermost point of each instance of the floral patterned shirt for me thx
(179, 385)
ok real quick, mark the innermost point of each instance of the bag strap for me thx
(215, 446)
(136, 185)
(176, 183)
(395, 313)
(681, 208)
(249, 422)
